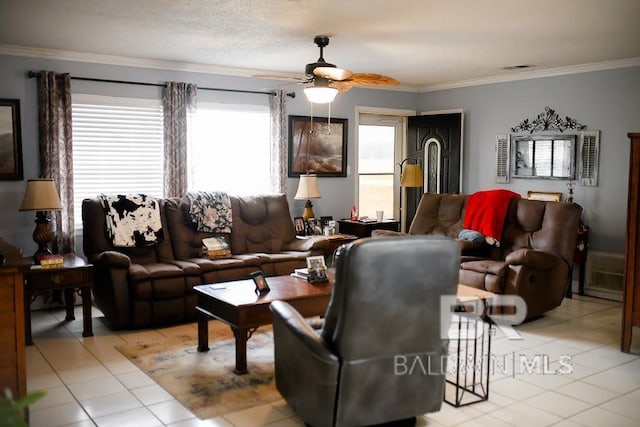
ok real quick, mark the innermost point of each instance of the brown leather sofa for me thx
(150, 286)
(536, 251)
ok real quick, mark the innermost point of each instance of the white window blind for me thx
(117, 148)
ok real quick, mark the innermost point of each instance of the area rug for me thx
(205, 382)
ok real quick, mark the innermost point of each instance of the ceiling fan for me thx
(325, 80)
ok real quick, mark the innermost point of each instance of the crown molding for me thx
(66, 55)
(536, 74)
(127, 61)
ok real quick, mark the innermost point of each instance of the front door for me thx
(437, 140)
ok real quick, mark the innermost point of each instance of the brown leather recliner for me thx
(535, 255)
(382, 324)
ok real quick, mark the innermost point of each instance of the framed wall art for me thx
(317, 146)
(10, 140)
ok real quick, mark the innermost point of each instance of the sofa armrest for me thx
(111, 259)
(111, 287)
(532, 258)
(312, 243)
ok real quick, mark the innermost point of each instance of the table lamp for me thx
(41, 196)
(308, 189)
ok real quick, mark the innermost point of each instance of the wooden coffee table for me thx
(236, 304)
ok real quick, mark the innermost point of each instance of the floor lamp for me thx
(411, 177)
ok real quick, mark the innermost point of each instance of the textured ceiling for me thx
(422, 43)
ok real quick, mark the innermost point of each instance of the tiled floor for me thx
(586, 380)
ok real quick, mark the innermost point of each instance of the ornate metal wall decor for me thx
(548, 121)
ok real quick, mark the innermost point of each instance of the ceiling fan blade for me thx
(370, 79)
(302, 79)
(332, 73)
(341, 86)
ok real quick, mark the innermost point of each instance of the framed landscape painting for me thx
(10, 140)
(317, 146)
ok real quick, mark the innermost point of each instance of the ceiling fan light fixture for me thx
(320, 94)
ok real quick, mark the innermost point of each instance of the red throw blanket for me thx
(485, 212)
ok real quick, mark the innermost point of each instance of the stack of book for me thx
(215, 247)
(302, 273)
(50, 261)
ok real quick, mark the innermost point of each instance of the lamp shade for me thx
(411, 176)
(307, 188)
(41, 195)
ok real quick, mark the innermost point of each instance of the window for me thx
(548, 157)
(230, 149)
(379, 144)
(117, 147)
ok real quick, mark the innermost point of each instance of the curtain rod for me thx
(32, 74)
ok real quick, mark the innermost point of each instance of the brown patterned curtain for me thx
(278, 161)
(179, 102)
(56, 150)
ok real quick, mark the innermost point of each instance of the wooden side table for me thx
(75, 274)
(364, 229)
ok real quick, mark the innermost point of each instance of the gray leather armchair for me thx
(384, 314)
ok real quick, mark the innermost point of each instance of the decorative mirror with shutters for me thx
(535, 150)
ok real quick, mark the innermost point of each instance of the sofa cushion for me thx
(486, 266)
(439, 214)
(206, 265)
(139, 272)
(260, 224)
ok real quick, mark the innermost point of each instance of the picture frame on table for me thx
(545, 196)
(260, 281)
(10, 141)
(313, 227)
(299, 225)
(317, 269)
(317, 146)
(324, 221)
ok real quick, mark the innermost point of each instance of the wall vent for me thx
(605, 275)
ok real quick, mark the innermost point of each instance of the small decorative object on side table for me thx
(364, 229)
(75, 273)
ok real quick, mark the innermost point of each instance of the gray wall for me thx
(604, 100)
(337, 193)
